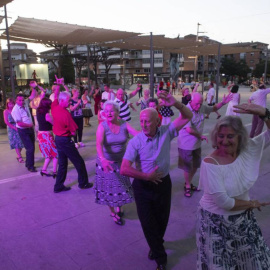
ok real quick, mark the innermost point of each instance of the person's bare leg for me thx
(55, 163)
(45, 165)
(188, 177)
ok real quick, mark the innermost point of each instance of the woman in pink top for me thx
(235, 99)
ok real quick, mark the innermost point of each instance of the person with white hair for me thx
(64, 128)
(190, 139)
(111, 188)
(228, 235)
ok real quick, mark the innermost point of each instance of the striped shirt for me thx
(124, 109)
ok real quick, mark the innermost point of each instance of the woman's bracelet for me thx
(266, 116)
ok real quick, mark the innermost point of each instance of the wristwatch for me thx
(266, 116)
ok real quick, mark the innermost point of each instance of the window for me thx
(145, 52)
(137, 70)
(146, 70)
(146, 61)
(252, 54)
(242, 55)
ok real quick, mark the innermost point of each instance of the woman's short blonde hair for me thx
(236, 124)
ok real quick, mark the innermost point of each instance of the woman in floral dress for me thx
(13, 135)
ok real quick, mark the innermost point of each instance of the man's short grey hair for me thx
(236, 124)
(115, 105)
(63, 96)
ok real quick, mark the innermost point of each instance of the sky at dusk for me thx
(225, 21)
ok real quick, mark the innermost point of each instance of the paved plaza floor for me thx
(41, 230)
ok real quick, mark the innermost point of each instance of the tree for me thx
(259, 69)
(232, 68)
(228, 66)
(242, 70)
(67, 67)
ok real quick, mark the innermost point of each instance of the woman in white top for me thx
(235, 99)
(228, 235)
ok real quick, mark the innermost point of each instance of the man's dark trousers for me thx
(67, 150)
(27, 136)
(153, 206)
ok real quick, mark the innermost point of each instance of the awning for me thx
(49, 32)
(176, 45)
(4, 2)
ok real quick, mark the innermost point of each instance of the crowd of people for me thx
(225, 217)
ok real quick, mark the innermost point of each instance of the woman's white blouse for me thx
(222, 184)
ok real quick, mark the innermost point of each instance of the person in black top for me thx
(45, 136)
(76, 106)
(187, 96)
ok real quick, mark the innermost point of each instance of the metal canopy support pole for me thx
(151, 66)
(217, 75)
(2, 76)
(88, 64)
(124, 71)
(9, 57)
(265, 66)
(202, 74)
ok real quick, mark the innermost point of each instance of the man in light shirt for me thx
(108, 93)
(258, 97)
(150, 150)
(24, 124)
(210, 98)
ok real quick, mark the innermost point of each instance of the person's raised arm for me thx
(225, 100)
(185, 114)
(251, 108)
(195, 88)
(33, 94)
(43, 92)
(134, 93)
(73, 108)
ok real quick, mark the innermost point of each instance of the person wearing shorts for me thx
(190, 138)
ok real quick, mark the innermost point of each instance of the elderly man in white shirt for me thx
(24, 124)
(210, 98)
(258, 97)
(108, 93)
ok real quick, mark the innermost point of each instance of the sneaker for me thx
(81, 144)
(77, 145)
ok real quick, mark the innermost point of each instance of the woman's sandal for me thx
(120, 214)
(188, 192)
(20, 160)
(117, 219)
(192, 187)
(54, 174)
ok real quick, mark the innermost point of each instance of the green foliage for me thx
(115, 82)
(259, 69)
(66, 66)
(232, 68)
(85, 74)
